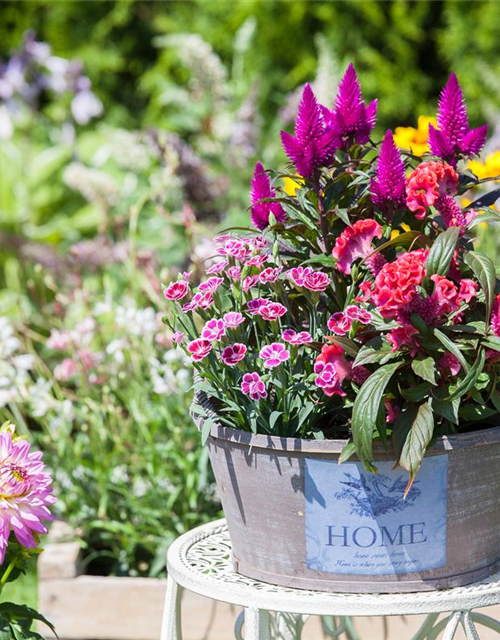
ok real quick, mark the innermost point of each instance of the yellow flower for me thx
(290, 185)
(487, 169)
(415, 140)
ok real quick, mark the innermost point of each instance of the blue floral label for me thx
(358, 523)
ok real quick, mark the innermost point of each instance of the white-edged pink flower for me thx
(178, 337)
(252, 385)
(211, 285)
(186, 275)
(259, 242)
(271, 311)
(257, 261)
(217, 268)
(213, 330)
(291, 336)
(233, 354)
(199, 348)
(234, 273)
(274, 354)
(201, 300)
(233, 319)
(255, 304)
(236, 248)
(59, 340)
(327, 378)
(176, 290)
(270, 274)
(317, 281)
(249, 282)
(339, 323)
(298, 275)
(356, 313)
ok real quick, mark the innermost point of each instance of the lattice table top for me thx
(200, 561)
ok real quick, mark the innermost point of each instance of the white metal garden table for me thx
(200, 561)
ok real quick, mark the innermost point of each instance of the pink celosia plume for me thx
(262, 189)
(388, 187)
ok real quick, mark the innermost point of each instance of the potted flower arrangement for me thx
(355, 325)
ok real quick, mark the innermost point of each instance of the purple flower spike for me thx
(261, 188)
(453, 136)
(389, 185)
(351, 120)
(313, 144)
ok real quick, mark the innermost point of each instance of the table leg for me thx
(171, 625)
(256, 624)
(469, 626)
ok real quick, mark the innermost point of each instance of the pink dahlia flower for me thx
(233, 319)
(233, 354)
(317, 281)
(291, 336)
(272, 311)
(213, 330)
(427, 183)
(176, 290)
(26, 494)
(253, 386)
(199, 348)
(274, 354)
(355, 242)
(396, 284)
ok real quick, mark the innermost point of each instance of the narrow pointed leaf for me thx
(440, 254)
(484, 270)
(419, 428)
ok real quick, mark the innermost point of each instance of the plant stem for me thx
(7, 573)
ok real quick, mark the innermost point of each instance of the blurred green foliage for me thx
(403, 50)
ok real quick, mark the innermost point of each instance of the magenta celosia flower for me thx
(388, 188)
(234, 273)
(274, 354)
(233, 354)
(451, 363)
(213, 330)
(299, 274)
(252, 385)
(261, 189)
(351, 121)
(495, 316)
(199, 348)
(257, 261)
(452, 214)
(317, 281)
(314, 144)
(26, 494)
(403, 336)
(291, 336)
(176, 290)
(453, 137)
(233, 319)
(355, 242)
(211, 285)
(255, 304)
(218, 267)
(271, 311)
(270, 274)
(178, 337)
(427, 183)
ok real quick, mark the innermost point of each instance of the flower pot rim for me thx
(281, 444)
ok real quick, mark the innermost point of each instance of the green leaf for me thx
(491, 342)
(425, 369)
(402, 240)
(486, 200)
(368, 354)
(470, 379)
(495, 399)
(349, 346)
(475, 413)
(413, 434)
(205, 431)
(416, 393)
(452, 348)
(348, 450)
(447, 410)
(273, 418)
(366, 408)
(484, 270)
(440, 254)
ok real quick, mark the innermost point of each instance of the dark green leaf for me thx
(486, 200)
(447, 410)
(366, 408)
(440, 254)
(348, 451)
(452, 348)
(474, 412)
(349, 346)
(470, 379)
(425, 369)
(420, 429)
(484, 270)
(205, 431)
(491, 342)
(416, 393)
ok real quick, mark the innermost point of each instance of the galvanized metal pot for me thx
(299, 519)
